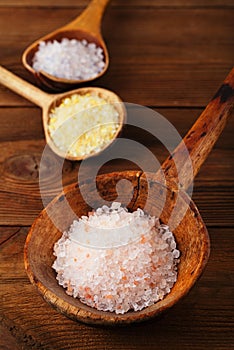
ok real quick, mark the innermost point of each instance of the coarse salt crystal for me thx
(117, 279)
(69, 59)
(82, 125)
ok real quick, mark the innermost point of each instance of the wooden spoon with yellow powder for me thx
(77, 124)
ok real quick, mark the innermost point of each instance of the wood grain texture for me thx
(120, 3)
(165, 53)
(7, 341)
(20, 161)
(25, 123)
(181, 67)
(203, 320)
(182, 166)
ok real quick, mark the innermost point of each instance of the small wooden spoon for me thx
(86, 26)
(49, 101)
(191, 233)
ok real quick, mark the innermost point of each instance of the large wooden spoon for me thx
(48, 101)
(148, 193)
(86, 26)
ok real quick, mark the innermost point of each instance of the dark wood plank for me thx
(25, 123)
(122, 3)
(19, 186)
(203, 320)
(7, 233)
(21, 124)
(172, 54)
(175, 58)
(7, 341)
(21, 153)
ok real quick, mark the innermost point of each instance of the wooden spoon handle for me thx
(24, 89)
(200, 139)
(91, 17)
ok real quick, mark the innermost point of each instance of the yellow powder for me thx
(83, 125)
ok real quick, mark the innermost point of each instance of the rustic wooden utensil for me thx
(86, 26)
(191, 233)
(49, 101)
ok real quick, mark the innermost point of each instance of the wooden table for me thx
(171, 56)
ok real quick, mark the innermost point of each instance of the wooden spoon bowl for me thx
(150, 194)
(49, 101)
(86, 26)
(191, 236)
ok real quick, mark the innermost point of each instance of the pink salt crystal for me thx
(128, 277)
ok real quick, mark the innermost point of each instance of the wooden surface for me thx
(171, 55)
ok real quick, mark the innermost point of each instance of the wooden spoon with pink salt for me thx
(190, 232)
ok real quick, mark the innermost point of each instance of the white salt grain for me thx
(69, 59)
(129, 277)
